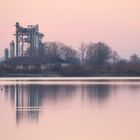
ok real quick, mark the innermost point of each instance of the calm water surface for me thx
(70, 110)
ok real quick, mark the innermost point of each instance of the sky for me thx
(115, 22)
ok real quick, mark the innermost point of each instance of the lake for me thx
(75, 109)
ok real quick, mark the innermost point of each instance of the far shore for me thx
(42, 77)
(61, 75)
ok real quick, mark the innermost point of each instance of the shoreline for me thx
(69, 80)
(106, 78)
(57, 74)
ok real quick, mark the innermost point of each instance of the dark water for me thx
(71, 111)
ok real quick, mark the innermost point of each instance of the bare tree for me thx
(134, 59)
(82, 50)
(98, 53)
(115, 57)
(57, 50)
(69, 54)
(51, 50)
(41, 50)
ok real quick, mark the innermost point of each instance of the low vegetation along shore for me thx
(123, 69)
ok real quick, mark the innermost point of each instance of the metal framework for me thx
(28, 40)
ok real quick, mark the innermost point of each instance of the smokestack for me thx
(6, 54)
(12, 49)
(17, 27)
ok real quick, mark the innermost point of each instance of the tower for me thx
(6, 54)
(12, 49)
(27, 40)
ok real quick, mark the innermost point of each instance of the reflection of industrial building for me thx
(27, 103)
(26, 97)
(29, 100)
(26, 100)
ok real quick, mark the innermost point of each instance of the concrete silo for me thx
(6, 54)
(12, 49)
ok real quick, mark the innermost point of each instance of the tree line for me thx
(90, 59)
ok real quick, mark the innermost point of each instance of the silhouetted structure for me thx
(27, 37)
(6, 54)
(33, 63)
(12, 49)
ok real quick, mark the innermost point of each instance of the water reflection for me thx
(30, 100)
(98, 92)
(26, 99)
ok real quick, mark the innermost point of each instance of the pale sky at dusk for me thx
(115, 22)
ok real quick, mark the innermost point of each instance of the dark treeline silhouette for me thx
(92, 53)
(56, 51)
(93, 59)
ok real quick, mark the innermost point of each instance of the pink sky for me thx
(116, 22)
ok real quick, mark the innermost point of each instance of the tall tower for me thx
(6, 54)
(27, 40)
(12, 49)
(17, 39)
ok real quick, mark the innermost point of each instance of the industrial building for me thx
(33, 63)
(28, 40)
(23, 54)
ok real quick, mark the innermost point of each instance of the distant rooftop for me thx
(32, 61)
